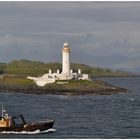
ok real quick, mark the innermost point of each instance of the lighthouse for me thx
(66, 73)
(66, 60)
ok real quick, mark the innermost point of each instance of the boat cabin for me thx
(14, 121)
(5, 122)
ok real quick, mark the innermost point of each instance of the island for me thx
(20, 84)
(13, 79)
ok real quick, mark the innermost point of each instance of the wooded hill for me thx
(37, 68)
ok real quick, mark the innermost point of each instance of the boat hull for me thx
(42, 126)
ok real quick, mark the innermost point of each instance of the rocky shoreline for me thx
(77, 88)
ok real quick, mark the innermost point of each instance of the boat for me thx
(19, 124)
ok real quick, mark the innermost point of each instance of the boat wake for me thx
(25, 132)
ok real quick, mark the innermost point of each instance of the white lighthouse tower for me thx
(66, 74)
(66, 60)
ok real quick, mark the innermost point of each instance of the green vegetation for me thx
(2, 67)
(16, 82)
(71, 85)
(82, 87)
(25, 67)
(84, 68)
(13, 79)
(20, 84)
(97, 71)
(37, 68)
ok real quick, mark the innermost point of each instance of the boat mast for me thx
(2, 110)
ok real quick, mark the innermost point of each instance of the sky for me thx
(100, 34)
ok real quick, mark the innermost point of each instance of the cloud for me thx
(98, 32)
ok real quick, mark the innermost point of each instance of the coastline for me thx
(96, 87)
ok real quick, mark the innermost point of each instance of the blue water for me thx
(108, 116)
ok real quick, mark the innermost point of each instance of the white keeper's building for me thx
(66, 73)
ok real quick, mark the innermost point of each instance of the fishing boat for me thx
(19, 124)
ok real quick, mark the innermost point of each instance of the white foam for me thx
(132, 99)
(25, 132)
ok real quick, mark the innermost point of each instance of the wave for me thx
(25, 132)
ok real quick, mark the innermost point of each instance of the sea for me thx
(84, 116)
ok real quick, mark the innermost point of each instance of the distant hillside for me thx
(2, 67)
(26, 67)
(37, 68)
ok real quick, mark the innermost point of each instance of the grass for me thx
(37, 68)
(16, 81)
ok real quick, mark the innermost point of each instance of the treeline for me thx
(37, 68)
